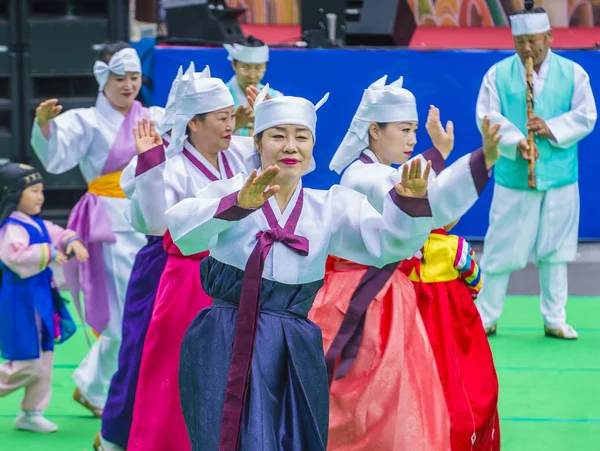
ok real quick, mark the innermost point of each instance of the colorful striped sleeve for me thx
(467, 267)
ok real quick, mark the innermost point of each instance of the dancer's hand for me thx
(60, 258)
(491, 142)
(78, 249)
(540, 127)
(414, 184)
(146, 137)
(442, 139)
(45, 112)
(253, 194)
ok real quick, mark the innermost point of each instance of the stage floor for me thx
(549, 397)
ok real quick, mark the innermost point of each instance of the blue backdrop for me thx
(448, 79)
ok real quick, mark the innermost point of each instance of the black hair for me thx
(251, 41)
(529, 9)
(110, 49)
(199, 117)
(382, 124)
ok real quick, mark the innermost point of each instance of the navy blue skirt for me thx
(287, 407)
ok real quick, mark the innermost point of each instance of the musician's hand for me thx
(539, 126)
(491, 141)
(244, 116)
(523, 148)
(442, 139)
(413, 184)
(146, 137)
(253, 194)
(252, 94)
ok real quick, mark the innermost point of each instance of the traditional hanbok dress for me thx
(385, 390)
(447, 281)
(162, 179)
(100, 141)
(148, 267)
(33, 317)
(259, 379)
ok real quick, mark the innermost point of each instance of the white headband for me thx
(285, 110)
(379, 103)
(529, 23)
(201, 95)
(125, 60)
(248, 55)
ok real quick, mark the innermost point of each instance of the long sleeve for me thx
(488, 104)
(363, 235)
(60, 237)
(196, 223)
(144, 183)
(467, 267)
(456, 189)
(19, 256)
(70, 140)
(571, 127)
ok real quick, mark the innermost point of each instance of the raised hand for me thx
(491, 141)
(442, 139)
(78, 250)
(244, 116)
(254, 193)
(146, 137)
(46, 111)
(414, 184)
(252, 94)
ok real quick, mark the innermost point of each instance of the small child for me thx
(447, 280)
(33, 316)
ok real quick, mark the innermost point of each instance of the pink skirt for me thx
(158, 423)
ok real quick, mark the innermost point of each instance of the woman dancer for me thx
(100, 142)
(257, 379)
(386, 391)
(204, 112)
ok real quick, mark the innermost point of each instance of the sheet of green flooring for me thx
(549, 389)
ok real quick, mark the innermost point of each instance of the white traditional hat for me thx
(123, 61)
(379, 103)
(246, 54)
(286, 110)
(202, 94)
(177, 88)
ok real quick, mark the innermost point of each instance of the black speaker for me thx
(379, 23)
(316, 19)
(202, 22)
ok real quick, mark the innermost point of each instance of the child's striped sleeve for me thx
(468, 269)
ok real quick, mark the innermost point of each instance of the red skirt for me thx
(464, 362)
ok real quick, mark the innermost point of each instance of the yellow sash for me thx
(107, 185)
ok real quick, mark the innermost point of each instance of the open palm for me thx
(146, 136)
(442, 139)
(413, 183)
(254, 193)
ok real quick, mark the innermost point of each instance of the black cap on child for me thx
(14, 179)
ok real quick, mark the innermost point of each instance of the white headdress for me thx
(529, 23)
(246, 54)
(379, 103)
(202, 94)
(286, 110)
(177, 88)
(123, 61)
